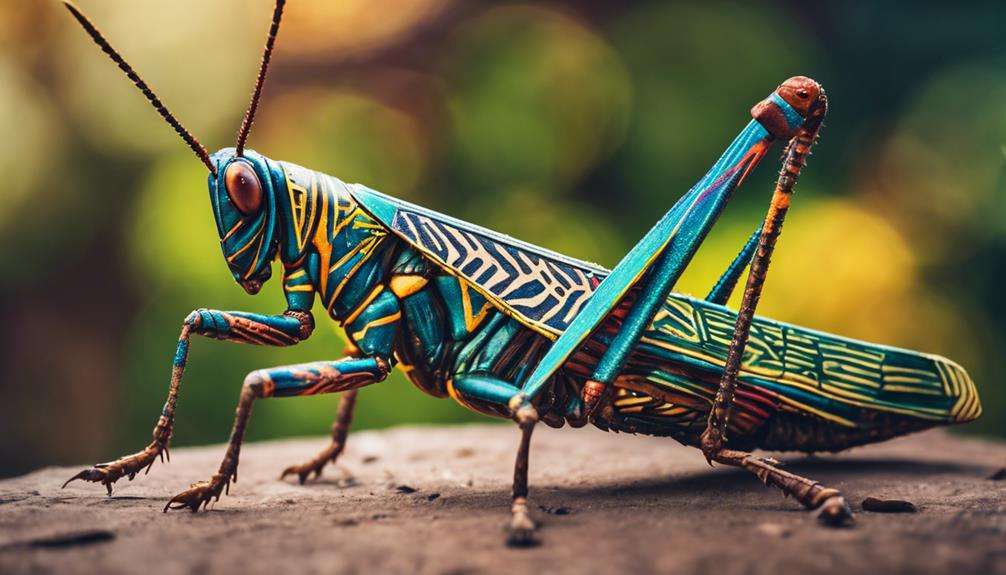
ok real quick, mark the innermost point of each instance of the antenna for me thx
(246, 123)
(100, 40)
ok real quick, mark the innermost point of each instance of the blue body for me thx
(481, 317)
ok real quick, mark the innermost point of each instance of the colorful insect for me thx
(516, 331)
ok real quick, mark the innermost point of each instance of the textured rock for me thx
(433, 500)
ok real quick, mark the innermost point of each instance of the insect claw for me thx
(835, 512)
(81, 475)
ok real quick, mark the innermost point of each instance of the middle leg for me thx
(488, 389)
(340, 429)
(304, 379)
(520, 531)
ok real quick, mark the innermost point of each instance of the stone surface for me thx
(433, 500)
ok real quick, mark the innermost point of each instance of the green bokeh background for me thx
(572, 125)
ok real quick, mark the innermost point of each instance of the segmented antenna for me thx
(100, 40)
(246, 123)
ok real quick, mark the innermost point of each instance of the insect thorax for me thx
(326, 234)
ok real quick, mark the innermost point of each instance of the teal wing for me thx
(542, 289)
(832, 377)
(810, 371)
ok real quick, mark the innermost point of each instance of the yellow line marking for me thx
(323, 244)
(904, 389)
(230, 232)
(472, 320)
(377, 323)
(258, 250)
(348, 256)
(251, 241)
(363, 305)
(342, 284)
(907, 370)
(633, 401)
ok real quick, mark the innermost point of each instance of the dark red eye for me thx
(243, 188)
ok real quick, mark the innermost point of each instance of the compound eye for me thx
(243, 188)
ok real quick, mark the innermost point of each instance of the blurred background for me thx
(572, 125)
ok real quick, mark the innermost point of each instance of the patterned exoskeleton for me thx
(516, 331)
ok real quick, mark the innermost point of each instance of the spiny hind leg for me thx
(834, 510)
(340, 429)
(304, 379)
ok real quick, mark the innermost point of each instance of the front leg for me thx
(287, 381)
(241, 327)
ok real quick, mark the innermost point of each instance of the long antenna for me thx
(246, 123)
(100, 40)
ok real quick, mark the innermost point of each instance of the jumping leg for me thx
(304, 379)
(810, 494)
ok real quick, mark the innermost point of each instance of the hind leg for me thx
(834, 510)
(811, 494)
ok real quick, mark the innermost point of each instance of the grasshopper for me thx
(512, 330)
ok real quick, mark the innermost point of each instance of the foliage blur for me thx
(570, 124)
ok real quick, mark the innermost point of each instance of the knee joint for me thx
(259, 384)
(306, 320)
(207, 321)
